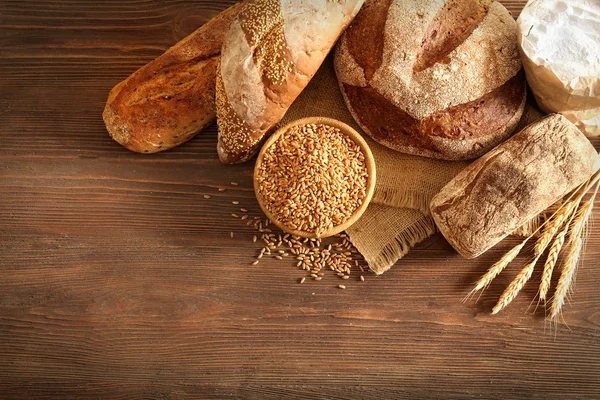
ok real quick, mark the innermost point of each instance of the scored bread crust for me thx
(450, 98)
(269, 55)
(441, 147)
(169, 100)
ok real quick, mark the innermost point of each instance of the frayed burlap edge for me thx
(403, 198)
(396, 248)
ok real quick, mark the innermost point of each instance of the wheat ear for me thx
(515, 287)
(555, 249)
(581, 219)
(498, 267)
(540, 246)
(549, 232)
(552, 227)
(566, 278)
(576, 242)
(559, 241)
(551, 263)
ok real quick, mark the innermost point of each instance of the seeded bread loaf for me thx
(440, 79)
(269, 55)
(168, 101)
(513, 183)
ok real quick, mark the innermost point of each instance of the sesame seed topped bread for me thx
(440, 79)
(269, 55)
(168, 101)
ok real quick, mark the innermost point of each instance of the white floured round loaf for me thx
(559, 42)
(269, 55)
(440, 78)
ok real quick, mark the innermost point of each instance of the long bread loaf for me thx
(168, 101)
(513, 183)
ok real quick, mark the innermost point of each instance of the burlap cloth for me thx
(398, 216)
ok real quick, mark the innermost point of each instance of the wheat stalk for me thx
(576, 244)
(566, 278)
(540, 246)
(551, 263)
(515, 287)
(497, 268)
(554, 251)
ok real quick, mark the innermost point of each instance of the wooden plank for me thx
(119, 279)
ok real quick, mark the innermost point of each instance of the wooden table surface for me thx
(118, 279)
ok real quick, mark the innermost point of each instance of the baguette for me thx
(513, 183)
(168, 101)
(270, 53)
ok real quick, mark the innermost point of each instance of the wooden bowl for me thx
(369, 160)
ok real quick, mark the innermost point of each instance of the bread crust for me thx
(269, 55)
(438, 136)
(513, 183)
(169, 100)
(453, 98)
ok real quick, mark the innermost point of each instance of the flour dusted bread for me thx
(560, 47)
(438, 78)
(269, 55)
(168, 101)
(513, 183)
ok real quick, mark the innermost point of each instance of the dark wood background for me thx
(118, 278)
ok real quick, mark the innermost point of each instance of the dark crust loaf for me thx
(511, 184)
(450, 27)
(451, 129)
(168, 101)
(471, 129)
(369, 23)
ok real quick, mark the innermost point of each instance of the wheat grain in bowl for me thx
(315, 177)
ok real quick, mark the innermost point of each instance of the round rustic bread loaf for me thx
(440, 79)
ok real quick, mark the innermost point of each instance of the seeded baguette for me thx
(270, 53)
(168, 101)
(513, 183)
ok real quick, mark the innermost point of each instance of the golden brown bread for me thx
(513, 183)
(440, 79)
(269, 55)
(168, 101)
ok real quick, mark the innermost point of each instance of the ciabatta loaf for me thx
(269, 55)
(438, 78)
